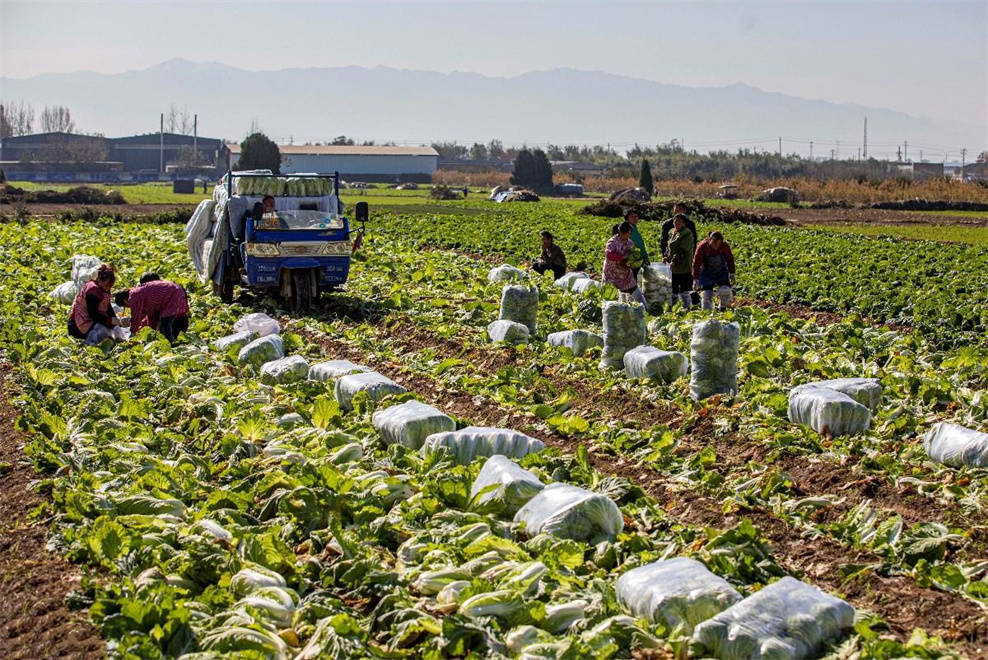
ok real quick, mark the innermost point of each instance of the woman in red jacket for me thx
(713, 269)
(92, 317)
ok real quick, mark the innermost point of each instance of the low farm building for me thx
(356, 163)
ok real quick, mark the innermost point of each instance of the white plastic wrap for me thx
(330, 370)
(956, 446)
(376, 386)
(84, 268)
(286, 370)
(624, 329)
(828, 411)
(571, 512)
(213, 248)
(786, 619)
(511, 486)
(505, 273)
(714, 358)
(650, 362)
(521, 305)
(673, 592)
(578, 341)
(197, 231)
(237, 340)
(509, 331)
(657, 287)
(584, 285)
(65, 292)
(259, 322)
(866, 391)
(569, 279)
(262, 350)
(473, 441)
(409, 423)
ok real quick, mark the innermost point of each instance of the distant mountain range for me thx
(561, 106)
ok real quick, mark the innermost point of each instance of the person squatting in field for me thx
(159, 304)
(679, 255)
(92, 316)
(616, 269)
(631, 217)
(552, 257)
(713, 268)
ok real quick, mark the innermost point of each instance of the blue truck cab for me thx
(296, 250)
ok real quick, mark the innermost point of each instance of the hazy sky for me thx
(924, 58)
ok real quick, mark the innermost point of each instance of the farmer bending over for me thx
(160, 304)
(92, 315)
(552, 257)
(713, 268)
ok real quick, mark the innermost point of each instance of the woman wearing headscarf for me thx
(92, 317)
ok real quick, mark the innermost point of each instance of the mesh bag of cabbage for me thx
(571, 512)
(786, 619)
(65, 292)
(624, 328)
(286, 370)
(509, 331)
(714, 358)
(521, 305)
(84, 268)
(330, 370)
(259, 322)
(657, 287)
(410, 423)
(578, 341)
(503, 486)
(237, 340)
(262, 350)
(866, 391)
(584, 284)
(567, 280)
(376, 386)
(674, 592)
(473, 441)
(505, 273)
(956, 446)
(828, 411)
(650, 362)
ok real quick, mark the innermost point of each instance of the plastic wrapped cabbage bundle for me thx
(786, 619)
(866, 391)
(650, 362)
(505, 273)
(521, 305)
(509, 331)
(673, 592)
(286, 370)
(197, 230)
(714, 358)
(571, 512)
(828, 411)
(376, 386)
(473, 441)
(657, 287)
(578, 341)
(84, 268)
(956, 446)
(584, 285)
(569, 279)
(237, 340)
(510, 486)
(262, 350)
(330, 370)
(65, 292)
(624, 329)
(260, 323)
(408, 424)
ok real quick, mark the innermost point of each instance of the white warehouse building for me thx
(356, 163)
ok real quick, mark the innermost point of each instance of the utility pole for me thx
(859, 154)
(161, 145)
(865, 154)
(832, 157)
(963, 156)
(837, 150)
(921, 155)
(195, 138)
(811, 149)
(780, 146)
(898, 153)
(905, 150)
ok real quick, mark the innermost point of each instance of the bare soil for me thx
(126, 210)
(34, 619)
(875, 216)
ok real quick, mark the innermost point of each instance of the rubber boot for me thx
(707, 300)
(687, 300)
(725, 295)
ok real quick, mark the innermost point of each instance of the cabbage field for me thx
(215, 513)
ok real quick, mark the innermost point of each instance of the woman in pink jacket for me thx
(616, 269)
(92, 317)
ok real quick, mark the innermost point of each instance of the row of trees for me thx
(18, 119)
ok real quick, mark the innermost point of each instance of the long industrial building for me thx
(357, 163)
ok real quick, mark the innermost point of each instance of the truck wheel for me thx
(303, 289)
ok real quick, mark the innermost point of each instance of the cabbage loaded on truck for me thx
(295, 251)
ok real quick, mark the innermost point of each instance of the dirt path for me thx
(34, 620)
(899, 600)
(875, 217)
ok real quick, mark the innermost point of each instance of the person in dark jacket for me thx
(679, 256)
(677, 209)
(552, 257)
(713, 270)
(92, 316)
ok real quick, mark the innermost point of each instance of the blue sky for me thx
(924, 58)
